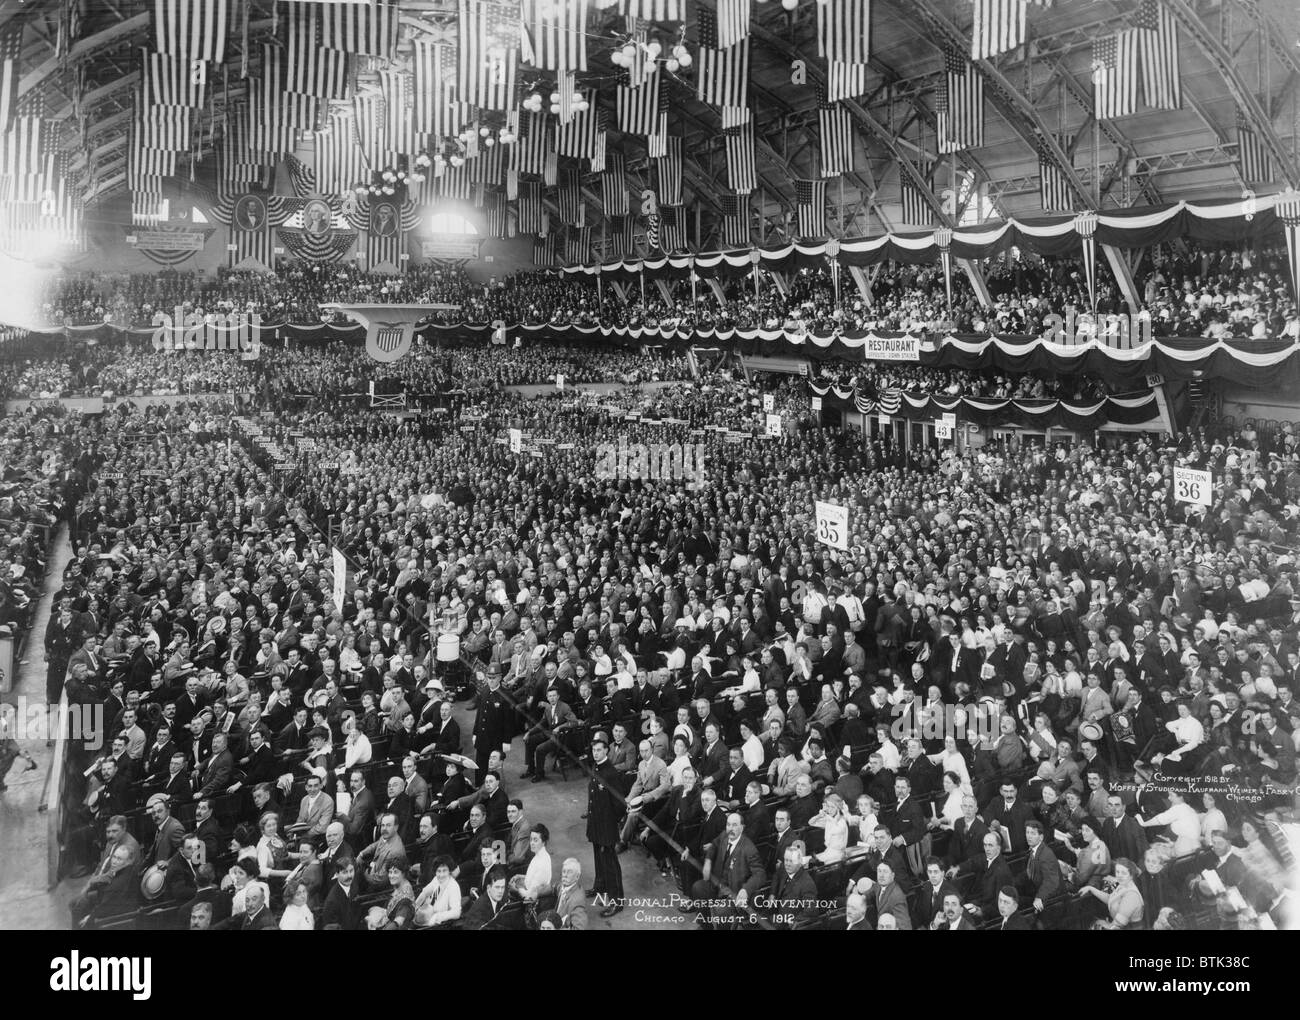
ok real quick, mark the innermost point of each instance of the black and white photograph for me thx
(650, 465)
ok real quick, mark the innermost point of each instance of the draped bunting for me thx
(1047, 235)
(1135, 408)
(1252, 362)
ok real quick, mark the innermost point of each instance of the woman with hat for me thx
(1092, 856)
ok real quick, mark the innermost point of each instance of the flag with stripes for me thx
(999, 26)
(733, 22)
(959, 110)
(1054, 191)
(622, 231)
(810, 204)
(672, 235)
(169, 81)
(735, 220)
(433, 70)
(339, 163)
(496, 208)
(489, 53)
(530, 207)
(1115, 74)
(250, 232)
(533, 143)
(835, 128)
(845, 81)
(146, 167)
(613, 186)
(551, 171)
(162, 127)
(489, 166)
(1253, 160)
(668, 172)
(399, 116)
(598, 157)
(742, 173)
(844, 30)
(554, 36)
(650, 10)
(11, 46)
(308, 67)
(367, 128)
(147, 206)
(577, 138)
(368, 27)
(577, 245)
(192, 29)
(1158, 37)
(723, 73)
(544, 251)
(572, 210)
(656, 146)
(454, 182)
(638, 105)
(916, 203)
(238, 165)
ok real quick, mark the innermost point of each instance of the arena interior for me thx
(649, 464)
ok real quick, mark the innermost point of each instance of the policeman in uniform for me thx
(604, 813)
(493, 722)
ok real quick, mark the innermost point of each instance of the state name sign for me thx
(773, 425)
(516, 440)
(1192, 486)
(832, 525)
(769, 403)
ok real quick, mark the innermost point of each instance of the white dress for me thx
(837, 837)
(297, 918)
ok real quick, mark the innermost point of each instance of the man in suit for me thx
(258, 765)
(912, 835)
(417, 790)
(855, 913)
(731, 790)
(890, 898)
(715, 759)
(169, 833)
(967, 840)
(784, 834)
(447, 737)
(158, 756)
(957, 663)
(488, 909)
(294, 736)
(176, 784)
(545, 737)
(652, 785)
(604, 811)
(570, 899)
(991, 873)
(337, 851)
(118, 894)
(493, 723)
(1010, 814)
(733, 874)
(952, 916)
(1042, 870)
(1121, 832)
(340, 912)
(794, 893)
(1009, 909)
(927, 905)
(213, 777)
(315, 811)
(361, 812)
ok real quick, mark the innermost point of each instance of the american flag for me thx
(960, 106)
(638, 106)
(845, 81)
(147, 208)
(191, 29)
(622, 230)
(433, 67)
(844, 30)
(489, 53)
(544, 251)
(735, 220)
(146, 168)
(11, 46)
(368, 27)
(742, 173)
(734, 116)
(168, 81)
(651, 10)
(668, 173)
(368, 128)
(1253, 160)
(454, 182)
(533, 144)
(999, 26)
(672, 236)
(554, 34)
(657, 144)
(733, 22)
(577, 245)
(166, 128)
(578, 137)
(567, 83)
(724, 73)
(551, 171)
(1115, 74)
(916, 204)
(530, 207)
(810, 203)
(836, 132)
(1158, 36)
(309, 68)
(573, 212)
(237, 164)
(489, 167)
(1054, 191)
(613, 186)
(399, 114)
(602, 144)
(339, 165)
(496, 208)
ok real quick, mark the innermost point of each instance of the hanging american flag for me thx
(433, 69)
(339, 163)
(621, 233)
(844, 30)
(567, 85)
(672, 235)
(11, 46)
(657, 144)
(533, 144)
(1054, 191)
(308, 67)
(554, 35)
(836, 133)
(733, 22)
(399, 117)
(578, 137)
(368, 27)
(723, 73)
(999, 26)
(572, 210)
(810, 203)
(845, 81)
(489, 53)
(1115, 75)
(1085, 225)
(734, 116)
(454, 182)
(960, 109)
(368, 128)
(916, 202)
(162, 127)
(650, 10)
(551, 171)
(544, 252)
(489, 167)
(742, 173)
(602, 141)
(494, 204)
(530, 207)
(191, 29)
(638, 106)
(1253, 160)
(1158, 36)
(735, 220)
(577, 245)
(668, 173)
(168, 81)
(147, 167)
(1287, 210)
(613, 186)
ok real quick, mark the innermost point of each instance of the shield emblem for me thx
(388, 341)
